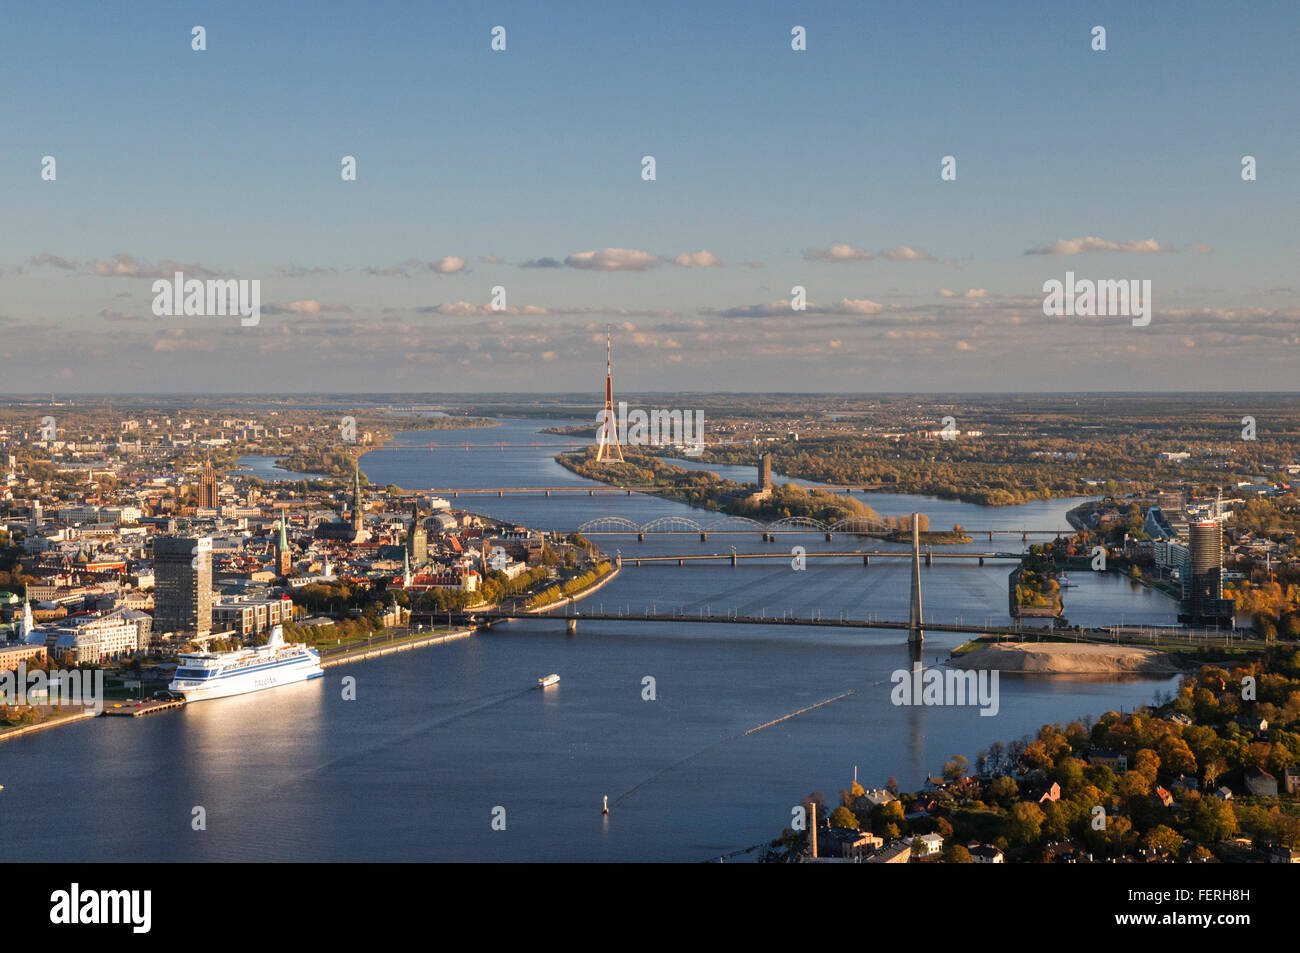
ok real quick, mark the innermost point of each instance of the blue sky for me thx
(227, 160)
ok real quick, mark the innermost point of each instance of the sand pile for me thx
(1068, 658)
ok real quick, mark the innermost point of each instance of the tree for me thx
(1147, 764)
(1176, 757)
(957, 854)
(1134, 784)
(1213, 771)
(955, 769)
(1163, 840)
(843, 817)
(1025, 825)
(1004, 789)
(1212, 820)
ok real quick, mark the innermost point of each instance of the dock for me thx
(134, 710)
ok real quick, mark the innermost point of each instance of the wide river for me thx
(443, 747)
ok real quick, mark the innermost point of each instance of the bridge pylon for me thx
(915, 632)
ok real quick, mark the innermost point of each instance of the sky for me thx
(774, 168)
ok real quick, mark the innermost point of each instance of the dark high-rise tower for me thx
(182, 585)
(1203, 602)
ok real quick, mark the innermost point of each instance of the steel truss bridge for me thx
(743, 525)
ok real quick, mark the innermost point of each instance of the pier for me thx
(140, 709)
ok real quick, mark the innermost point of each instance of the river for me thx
(441, 742)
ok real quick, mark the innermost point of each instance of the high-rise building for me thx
(208, 488)
(1203, 602)
(182, 585)
(765, 472)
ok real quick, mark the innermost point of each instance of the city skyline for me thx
(522, 169)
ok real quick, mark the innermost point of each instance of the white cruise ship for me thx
(203, 675)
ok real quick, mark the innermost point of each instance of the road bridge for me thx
(866, 556)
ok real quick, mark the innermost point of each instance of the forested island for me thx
(707, 490)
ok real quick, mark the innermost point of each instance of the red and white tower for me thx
(607, 445)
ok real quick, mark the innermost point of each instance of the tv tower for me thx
(607, 446)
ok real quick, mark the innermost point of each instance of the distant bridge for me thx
(1154, 636)
(734, 617)
(733, 557)
(743, 525)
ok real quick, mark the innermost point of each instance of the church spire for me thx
(356, 494)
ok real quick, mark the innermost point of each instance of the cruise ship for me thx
(203, 675)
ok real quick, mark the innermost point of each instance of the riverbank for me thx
(54, 722)
(581, 594)
(1068, 658)
(374, 649)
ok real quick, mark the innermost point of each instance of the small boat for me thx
(547, 680)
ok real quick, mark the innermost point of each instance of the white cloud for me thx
(841, 252)
(449, 265)
(613, 259)
(903, 253)
(699, 259)
(1077, 246)
(846, 252)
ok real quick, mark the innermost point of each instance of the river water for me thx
(443, 746)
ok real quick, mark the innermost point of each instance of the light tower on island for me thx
(607, 445)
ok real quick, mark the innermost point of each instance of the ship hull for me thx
(242, 683)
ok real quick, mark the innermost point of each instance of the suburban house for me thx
(1111, 759)
(985, 854)
(1046, 795)
(1291, 779)
(927, 845)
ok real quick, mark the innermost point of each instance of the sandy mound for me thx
(1068, 658)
